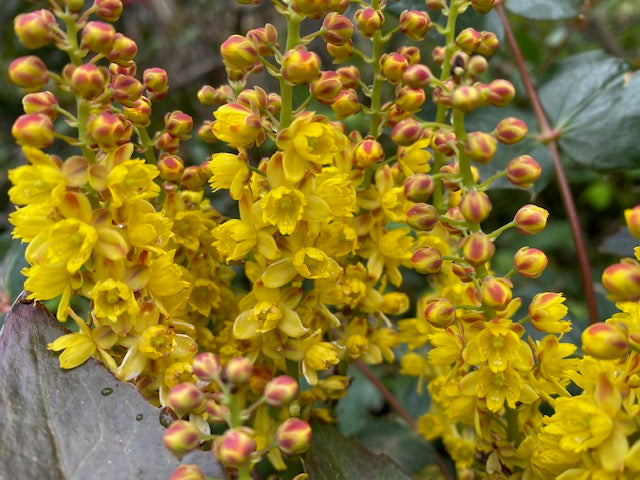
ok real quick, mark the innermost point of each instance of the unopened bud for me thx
(185, 397)
(480, 146)
(426, 260)
(181, 437)
(464, 273)
(477, 66)
(368, 21)
(436, 4)
(415, 24)
(406, 132)
(349, 76)
(326, 87)
(422, 217)
(293, 436)
(171, 169)
(393, 66)
(438, 54)
(35, 29)
(238, 52)
(417, 76)
(40, 102)
(311, 8)
(418, 187)
(178, 124)
(496, 292)
(478, 248)
(483, 6)
(109, 130)
(166, 142)
(238, 370)
(338, 29)
(440, 313)
(511, 130)
(74, 5)
(411, 53)
(124, 50)
(632, 218)
(300, 66)
(88, 81)
(466, 98)
(410, 99)
(340, 53)
(488, 45)
(194, 178)
(34, 130)
(235, 447)
(453, 213)
(445, 142)
(469, 40)
(140, 113)
(500, 93)
(128, 68)
(156, 81)
(206, 366)
(98, 37)
(281, 391)
(216, 412)
(475, 206)
(530, 262)
(523, 171)
(127, 90)
(187, 472)
(604, 341)
(531, 219)
(622, 280)
(368, 152)
(345, 104)
(263, 38)
(29, 72)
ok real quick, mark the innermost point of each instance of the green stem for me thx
(376, 88)
(147, 144)
(513, 430)
(491, 179)
(286, 90)
(464, 164)
(84, 108)
(496, 233)
(72, 49)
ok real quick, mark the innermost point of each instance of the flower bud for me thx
(368, 152)
(109, 10)
(171, 169)
(417, 76)
(445, 142)
(530, 262)
(40, 102)
(338, 29)
(426, 260)
(338, 6)
(500, 93)
(345, 104)
(411, 53)
(406, 132)
(523, 171)
(415, 24)
(475, 206)
(238, 52)
(478, 248)
(109, 130)
(340, 53)
(217, 413)
(238, 370)
(547, 311)
(326, 87)
(98, 37)
(181, 437)
(496, 292)
(436, 4)
(409, 99)
(482, 6)
(29, 72)
(235, 447)
(464, 273)
(311, 8)
(293, 436)
(236, 125)
(480, 147)
(418, 187)
(127, 90)
(124, 50)
(300, 66)
(368, 21)
(349, 76)
(531, 219)
(281, 391)
(88, 81)
(488, 45)
(469, 40)
(604, 341)
(511, 130)
(35, 29)
(34, 130)
(422, 217)
(74, 5)
(140, 113)
(263, 39)
(129, 68)
(194, 178)
(165, 142)
(438, 54)
(466, 98)
(477, 66)
(632, 218)
(206, 366)
(187, 472)
(393, 66)
(156, 81)
(622, 280)
(440, 313)
(453, 213)
(178, 124)
(185, 397)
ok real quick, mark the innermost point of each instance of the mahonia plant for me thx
(328, 221)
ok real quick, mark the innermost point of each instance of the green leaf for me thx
(620, 244)
(594, 102)
(354, 411)
(73, 424)
(544, 9)
(333, 456)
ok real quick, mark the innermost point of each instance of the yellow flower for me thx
(230, 172)
(40, 182)
(496, 387)
(311, 262)
(546, 312)
(236, 125)
(283, 207)
(29, 221)
(415, 159)
(266, 316)
(111, 298)
(386, 251)
(131, 180)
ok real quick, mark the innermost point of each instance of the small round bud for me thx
(128, 68)
(530, 262)
(349, 76)
(29, 72)
(496, 292)
(124, 50)
(300, 66)
(34, 130)
(622, 280)
(88, 81)
(455, 214)
(40, 102)
(263, 38)
(469, 40)
(418, 187)
(156, 81)
(482, 6)
(140, 113)
(74, 5)
(438, 54)
(632, 218)
(109, 10)
(193, 178)
(466, 98)
(326, 87)
(127, 90)
(187, 472)
(345, 104)
(171, 170)
(393, 66)
(109, 130)
(500, 93)
(531, 219)
(426, 260)
(238, 52)
(311, 8)
(337, 29)
(178, 124)
(422, 217)
(415, 24)
(368, 21)
(511, 130)
(440, 313)
(281, 391)
(406, 132)
(235, 447)
(208, 96)
(488, 45)
(185, 397)
(477, 66)
(604, 341)
(436, 4)
(338, 6)
(167, 143)
(98, 37)
(238, 370)
(206, 366)
(217, 413)
(411, 53)
(478, 248)
(464, 273)
(205, 133)
(417, 76)
(475, 206)
(409, 99)
(480, 147)
(181, 437)
(523, 171)
(340, 53)
(35, 29)
(368, 152)
(293, 436)
(445, 142)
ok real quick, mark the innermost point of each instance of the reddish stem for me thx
(565, 191)
(400, 410)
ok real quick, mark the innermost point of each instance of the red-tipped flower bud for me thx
(293, 436)
(206, 366)
(345, 104)
(311, 8)
(109, 10)
(440, 313)
(406, 132)
(632, 218)
(109, 130)
(34, 130)
(478, 248)
(415, 24)
(368, 21)
(500, 93)
(496, 292)
(235, 447)
(29, 72)
(156, 81)
(417, 76)
(127, 90)
(418, 187)
(140, 113)
(340, 53)
(622, 280)
(40, 102)
(124, 50)
(511, 130)
(238, 370)
(187, 472)
(181, 437)
(531, 219)
(238, 52)
(185, 398)
(326, 87)
(530, 262)
(338, 29)
(426, 260)
(98, 37)
(523, 171)
(368, 152)
(438, 54)
(477, 66)
(422, 217)
(483, 6)
(489, 44)
(480, 147)
(604, 341)
(171, 169)
(466, 98)
(300, 66)
(445, 142)
(436, 4)
(475, 206)
(178, 124)
(263, 38)
(409, 99)
(88, 81)
(469, 40)
(281, 390)
(411, 53)
(35, 29)
(393, 66)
